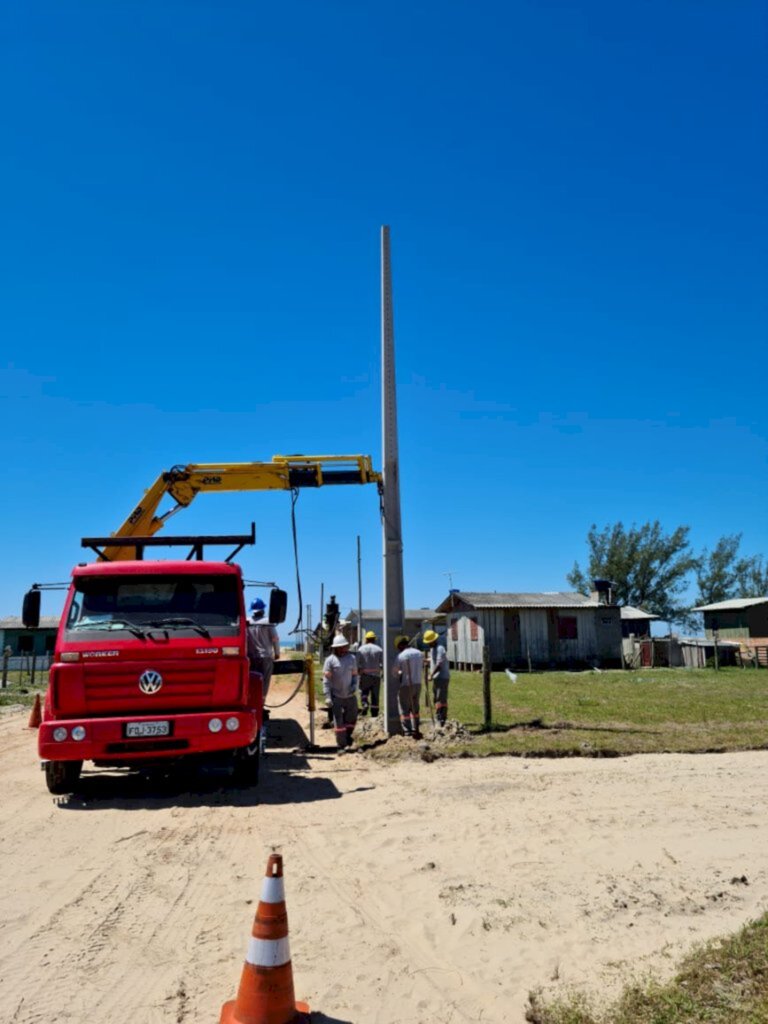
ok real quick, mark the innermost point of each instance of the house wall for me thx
(514, 635)
(738, 622)
(42, 640)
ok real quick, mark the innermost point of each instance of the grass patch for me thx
(20, 692)
(723, 982)
(615, 713)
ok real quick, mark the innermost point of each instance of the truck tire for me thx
(61, 776)
(246, 764)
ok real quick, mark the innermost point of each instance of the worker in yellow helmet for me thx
(370, 658)
(439, 673)
(407, 672)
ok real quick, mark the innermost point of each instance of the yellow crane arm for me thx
(284, 473)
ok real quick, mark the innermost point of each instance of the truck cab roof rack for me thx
(196, 544)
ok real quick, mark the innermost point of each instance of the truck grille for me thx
(114, 688)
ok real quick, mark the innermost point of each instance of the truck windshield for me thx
(142, 605)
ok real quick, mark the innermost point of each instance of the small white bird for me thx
(512, 676)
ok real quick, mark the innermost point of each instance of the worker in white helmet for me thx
(340, 689)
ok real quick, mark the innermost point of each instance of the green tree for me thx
(719, 570)
(753, 577)
(649, 567)
(722, 574)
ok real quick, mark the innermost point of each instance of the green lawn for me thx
(613, 713)
(723, 982)
(19, 691)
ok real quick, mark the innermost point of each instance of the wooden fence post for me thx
(6, 657)
(487, 715)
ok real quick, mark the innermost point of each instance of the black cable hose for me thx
(299, 621)
(272, 707)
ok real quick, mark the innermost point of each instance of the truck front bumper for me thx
(108, 739)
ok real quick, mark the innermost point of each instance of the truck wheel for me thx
(61, 776)
(246, 771)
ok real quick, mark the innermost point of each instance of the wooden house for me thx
(736, 619)
(543, 630)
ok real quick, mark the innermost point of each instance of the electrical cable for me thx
(272, 707)
(299, 622)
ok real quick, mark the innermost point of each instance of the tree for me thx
(753, 577)
(649, 567)
(719, 570)
(721, 574)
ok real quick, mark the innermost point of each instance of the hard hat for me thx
(258, 605)
(430, 636)
(401, 640)
(370, 635)
(339, 641)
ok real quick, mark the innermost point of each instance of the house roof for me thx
(14, 622)
(628, 612)
(733, 604)
(376, 613)
(548, 599)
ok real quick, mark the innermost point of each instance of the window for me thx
(473, 629)
(567, 628)
(26, 644)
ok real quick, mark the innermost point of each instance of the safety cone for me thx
(266, 994)
(36, 716)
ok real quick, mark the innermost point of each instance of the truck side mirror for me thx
(278, 606)
(30, 611)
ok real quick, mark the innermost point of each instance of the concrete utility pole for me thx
(394, 596)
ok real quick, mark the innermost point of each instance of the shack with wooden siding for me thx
(38, 641)
(544, 630)
(736, 619)
(416, 620)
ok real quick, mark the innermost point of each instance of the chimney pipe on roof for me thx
(604, 590)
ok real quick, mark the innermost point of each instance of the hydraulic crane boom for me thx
(284, 473)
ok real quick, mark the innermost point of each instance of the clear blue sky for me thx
(192, 196)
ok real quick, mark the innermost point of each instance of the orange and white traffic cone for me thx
(266, 994)
(36, 715)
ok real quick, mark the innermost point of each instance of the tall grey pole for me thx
(394, 597)
(359, 595)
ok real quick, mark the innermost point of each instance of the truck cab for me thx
(150, 665)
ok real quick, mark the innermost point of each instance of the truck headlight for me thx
(78, 733)
(215, 725)
(232, 724)
(59, 734)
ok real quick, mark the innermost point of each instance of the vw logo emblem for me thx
(150, 681)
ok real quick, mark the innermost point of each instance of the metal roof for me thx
(548, 599)
(731, 605)
(377, 613)
(14, 622)
(628, 612)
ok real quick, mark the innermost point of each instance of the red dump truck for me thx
(151, 665)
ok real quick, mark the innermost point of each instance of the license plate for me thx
(134, 729)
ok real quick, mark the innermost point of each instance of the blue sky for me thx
(189, 273)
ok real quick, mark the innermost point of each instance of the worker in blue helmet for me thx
(263, 651)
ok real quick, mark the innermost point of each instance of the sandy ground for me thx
(417, 893)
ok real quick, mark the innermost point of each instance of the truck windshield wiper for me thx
(132, 627)
(176, 622)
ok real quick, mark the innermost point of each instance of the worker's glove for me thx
(328, 702)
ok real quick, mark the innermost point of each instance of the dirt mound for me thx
(371, 735)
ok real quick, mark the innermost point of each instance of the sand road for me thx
(417, 893)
